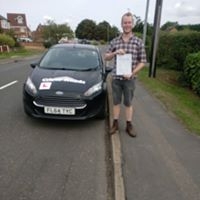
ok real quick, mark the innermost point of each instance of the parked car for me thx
(25, 39)
(84, 41)
(69, 82)
(63, 40)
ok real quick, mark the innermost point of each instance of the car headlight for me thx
(30, 86)
(93, 89)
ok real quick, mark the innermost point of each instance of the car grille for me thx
(60, 101)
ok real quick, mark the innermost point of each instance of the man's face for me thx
(127, 24)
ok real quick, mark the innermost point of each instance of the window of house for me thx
(5, 24)
(20, 20)
(22, 30)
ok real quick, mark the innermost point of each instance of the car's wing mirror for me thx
(108, 69)
(33, 65)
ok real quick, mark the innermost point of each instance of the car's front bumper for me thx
(85, 108)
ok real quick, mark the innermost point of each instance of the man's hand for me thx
(111, 55)
(128, 77)
(120, 51)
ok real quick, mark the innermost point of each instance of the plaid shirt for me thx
(134, 46)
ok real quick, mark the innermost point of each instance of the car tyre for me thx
(27, 112)
(103, 113)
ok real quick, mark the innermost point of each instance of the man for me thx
(124, 84)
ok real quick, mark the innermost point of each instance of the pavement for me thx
(162, 162)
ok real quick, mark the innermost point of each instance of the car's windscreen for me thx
(79, 59)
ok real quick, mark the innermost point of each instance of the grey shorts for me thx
(125, 89)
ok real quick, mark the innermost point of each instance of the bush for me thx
(47, 44)
(95, 42)
(192, 71)
(7, 40)
(174, 47)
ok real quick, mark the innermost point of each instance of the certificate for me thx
(124, 64)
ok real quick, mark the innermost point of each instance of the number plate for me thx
(59, 110)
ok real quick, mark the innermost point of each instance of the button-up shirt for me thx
(134, 46)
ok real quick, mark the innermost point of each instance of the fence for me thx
(4, 48)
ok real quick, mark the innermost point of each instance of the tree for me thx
(86, 29)
(139, 24)
(103, 31)
(114, 31)
(169, 25)
(7, 40)
(194, 27)
(54, 32)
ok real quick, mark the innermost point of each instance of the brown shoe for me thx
(115, 127)
(129, 130)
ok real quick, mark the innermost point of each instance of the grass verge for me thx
(21, 52)
(181, 101)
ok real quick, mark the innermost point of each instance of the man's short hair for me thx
(128, 14)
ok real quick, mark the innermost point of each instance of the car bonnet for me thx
(65, 80)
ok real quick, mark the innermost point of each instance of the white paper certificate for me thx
(124, 64)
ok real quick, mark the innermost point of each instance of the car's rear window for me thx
(71, 58)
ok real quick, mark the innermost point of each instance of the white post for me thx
(145, 23)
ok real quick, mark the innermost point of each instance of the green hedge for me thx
(174, 47)
(191, 71)
(7, 40)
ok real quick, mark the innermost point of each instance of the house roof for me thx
(40, 27)
(17, 19)
(3, 18)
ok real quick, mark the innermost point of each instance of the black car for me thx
(69, 82)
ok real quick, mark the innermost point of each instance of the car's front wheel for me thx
(104, 111)
(27, 112)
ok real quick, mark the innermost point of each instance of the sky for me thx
(74, 11)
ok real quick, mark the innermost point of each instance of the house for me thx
(18, 24)
(4, 24)
(4, 27)
(37, 35)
